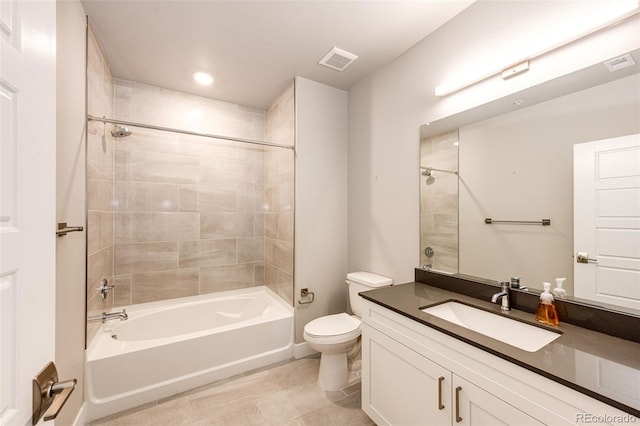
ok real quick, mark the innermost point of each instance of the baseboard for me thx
(81, 418)
(302, 350)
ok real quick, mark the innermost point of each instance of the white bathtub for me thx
(165, 348)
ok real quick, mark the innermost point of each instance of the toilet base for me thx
(334, 374)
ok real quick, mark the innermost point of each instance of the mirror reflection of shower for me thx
(427, 171)
(120, 132)
(439, 181)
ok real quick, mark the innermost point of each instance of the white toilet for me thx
(334, 336)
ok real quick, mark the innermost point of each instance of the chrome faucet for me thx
(106, 317)
(503, 296)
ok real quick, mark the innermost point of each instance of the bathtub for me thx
(165, 348)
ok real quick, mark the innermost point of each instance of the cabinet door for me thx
(401, 387)
(474, 406)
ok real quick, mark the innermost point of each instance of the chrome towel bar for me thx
(543, 222)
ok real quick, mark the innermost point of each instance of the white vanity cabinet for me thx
(405, 388)
(413, 374)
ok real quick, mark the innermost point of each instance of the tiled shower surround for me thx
(439, 202)
(171, 215)
(100, 182)
(191, 213)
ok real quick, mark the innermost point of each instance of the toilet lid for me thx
(332, 325)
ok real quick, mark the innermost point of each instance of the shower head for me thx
(426, 172)
(120, 132)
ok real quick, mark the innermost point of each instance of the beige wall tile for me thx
(284, 285)
(146, 197)
(209, 198)
(227, 277)
(283, 256)
(203, 253)
(145, 257)
(107, 229)
(100, 154)
(285, 227)
(99, 266)
(122, 290)
(258, 225)
(152, 286)
(259, 273)
(207, 147)
(271, 225)
(94, 231)
(122, 164)
(163, 167)
(226, 225)
(122, 228)
(281, 197)
(446, 223)
(251, 198)
(214, 171)
(250, 250)
(147, 227)
(100, 194)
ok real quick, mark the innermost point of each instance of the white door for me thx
(606, 215)
(27, 201)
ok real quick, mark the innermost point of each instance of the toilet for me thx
(337, 336)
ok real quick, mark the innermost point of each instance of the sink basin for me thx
(510, 331)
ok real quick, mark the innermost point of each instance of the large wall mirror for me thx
(515, 162)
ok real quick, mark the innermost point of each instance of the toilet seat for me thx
(337, 328)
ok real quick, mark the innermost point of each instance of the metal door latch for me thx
(49, 394)
(583, 257)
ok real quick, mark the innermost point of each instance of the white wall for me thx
(387, 107)
(321, 200)
(70, 203)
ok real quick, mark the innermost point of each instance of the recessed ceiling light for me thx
(203, 78)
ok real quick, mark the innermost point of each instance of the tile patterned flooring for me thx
(284, 394)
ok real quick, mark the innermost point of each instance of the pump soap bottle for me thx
(560, 292)
(546, 312)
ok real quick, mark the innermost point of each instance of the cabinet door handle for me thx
(458, 418)
(440, 404)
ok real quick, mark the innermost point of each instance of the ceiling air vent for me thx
(337, 59)
(620, 62)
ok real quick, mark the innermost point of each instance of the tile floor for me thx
(284, 394)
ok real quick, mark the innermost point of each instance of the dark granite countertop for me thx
(578, 358)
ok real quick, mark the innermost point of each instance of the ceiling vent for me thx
(338, 59)
(620, 62)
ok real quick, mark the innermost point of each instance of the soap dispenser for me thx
(546, 312)
(560, 292)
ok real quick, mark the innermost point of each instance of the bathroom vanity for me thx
(419, 369)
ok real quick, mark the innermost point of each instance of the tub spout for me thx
(106, 317)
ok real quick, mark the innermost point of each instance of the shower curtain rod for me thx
(439, 170)
(187, 132)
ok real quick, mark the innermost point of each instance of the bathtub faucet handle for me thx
(104, 288)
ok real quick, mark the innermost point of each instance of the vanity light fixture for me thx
(619, 11)
(203, 78)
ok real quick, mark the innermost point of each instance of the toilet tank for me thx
(363, 281)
